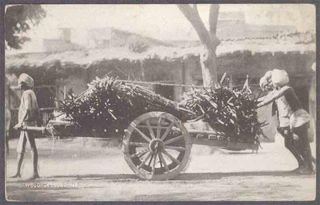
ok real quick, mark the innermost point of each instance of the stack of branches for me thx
(109, 105)
(231, 112)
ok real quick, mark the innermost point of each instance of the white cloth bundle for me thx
(299, 117)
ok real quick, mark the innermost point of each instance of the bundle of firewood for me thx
(109, 105)
(228, 111)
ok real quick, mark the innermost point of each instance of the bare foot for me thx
(305, 171)
(296, 170)
(34, 176)
(16, 176)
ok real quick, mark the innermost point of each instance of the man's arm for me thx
(26, 114)
(274, 95)
(26, 111)
(8, 118)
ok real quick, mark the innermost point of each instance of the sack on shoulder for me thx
(299, 117)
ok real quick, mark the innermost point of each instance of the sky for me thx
(163, 22)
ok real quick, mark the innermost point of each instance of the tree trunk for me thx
(208, 68)
(208, 39)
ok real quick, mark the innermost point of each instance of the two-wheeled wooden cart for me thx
(157, 144)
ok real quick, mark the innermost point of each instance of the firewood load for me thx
(110, 105)
(229, 111)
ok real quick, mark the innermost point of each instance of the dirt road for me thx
(73, 172)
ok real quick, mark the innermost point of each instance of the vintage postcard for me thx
(160, 102)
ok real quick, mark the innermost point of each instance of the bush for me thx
(138, 46)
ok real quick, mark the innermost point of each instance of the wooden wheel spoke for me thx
(158, 128)
(160, 162)
(139, 154)
(180, 149)
(150, 160)
(171, 157)
(138, 144)
(150, 129)
(173, 139)
(142, 134)
(154, 164)
(164, 162)
(145, 160)
(167, 131)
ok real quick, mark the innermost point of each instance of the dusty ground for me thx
(70, 171)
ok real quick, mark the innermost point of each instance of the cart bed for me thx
(202, 134)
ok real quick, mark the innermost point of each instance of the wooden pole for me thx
(64, 92)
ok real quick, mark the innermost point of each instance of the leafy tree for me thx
(18, 20)
(207, 37)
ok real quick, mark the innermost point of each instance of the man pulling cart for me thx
(28, 114)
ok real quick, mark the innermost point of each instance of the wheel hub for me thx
(156, 146)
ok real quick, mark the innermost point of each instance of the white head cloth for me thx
(26, 79)
(279, 77)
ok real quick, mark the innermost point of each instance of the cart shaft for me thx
(34, 129)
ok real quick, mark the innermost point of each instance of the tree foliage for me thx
(18, 20)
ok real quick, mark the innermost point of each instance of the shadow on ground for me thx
(183, 176)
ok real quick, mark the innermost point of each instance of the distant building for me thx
(63, 43)
(99, 38)
(79, 39)
(232, 26)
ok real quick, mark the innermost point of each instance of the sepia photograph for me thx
(160, 102)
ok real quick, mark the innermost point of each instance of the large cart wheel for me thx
(156, 146)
